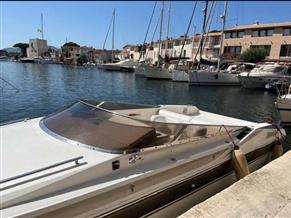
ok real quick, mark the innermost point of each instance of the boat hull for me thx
(180, 76)
(284, 108)
(257, 82)
(213, 78)
(176, 199)
(158, 73)
(117, 68)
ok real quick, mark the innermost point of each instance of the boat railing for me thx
(14, 121)
(76, 160)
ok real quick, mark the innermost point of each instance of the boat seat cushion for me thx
(181, 109)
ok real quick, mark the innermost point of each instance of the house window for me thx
(287, 32)
(232, 49)
(267, 48)
(285, 51)
(262, 33)
(227, 35)
(240, 34)
(255, 33)
(234, 35)
(269, 32)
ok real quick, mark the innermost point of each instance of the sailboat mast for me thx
(202, 36)
(169, 17)
(222, 35)
(161, 29)
(113, 28)
(41, 26)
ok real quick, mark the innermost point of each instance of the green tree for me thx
(71, 44)
(23, 47)
(82, 59)
(253, 55)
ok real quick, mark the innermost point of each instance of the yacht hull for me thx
(284, 108)
(213, 78)
(257, 82)
(180, 76)
(117, 68)
(158, 73)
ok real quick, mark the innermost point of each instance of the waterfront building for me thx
(275, 38)
(37, 48)
(131, 52)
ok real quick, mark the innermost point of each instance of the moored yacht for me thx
(264, 75)
(116, 159)
(124, 66)
(283, 105)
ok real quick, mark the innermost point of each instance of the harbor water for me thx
(45, 88)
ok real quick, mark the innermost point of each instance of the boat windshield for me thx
(90, 125)
(100, 125)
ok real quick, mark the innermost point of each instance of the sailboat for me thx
(214, 77)
(121, 66)
(160, 71)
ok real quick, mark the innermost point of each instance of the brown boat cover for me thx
(94, 126)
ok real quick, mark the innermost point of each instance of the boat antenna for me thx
(223, 17)
(187, 32)
(161, 29)
(113, 27)
(146, 35)
(203, 32)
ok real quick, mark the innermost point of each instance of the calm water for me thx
(46, 88)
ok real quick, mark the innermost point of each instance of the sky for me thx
(87, 22)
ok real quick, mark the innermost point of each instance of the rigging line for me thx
(9, 83)
(161, 32)
(205, 25)
(150, 22)
(209, 24)
(107, 32)
(187, 32)
(156, 28)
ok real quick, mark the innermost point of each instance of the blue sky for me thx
(86, 23)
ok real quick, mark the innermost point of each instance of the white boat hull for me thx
(283, 105)
(158, 73)
(213, 78)
(180, 76)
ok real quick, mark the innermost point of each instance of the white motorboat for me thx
(124, 66)
(97, 159)
(263, 75)
(283, 105)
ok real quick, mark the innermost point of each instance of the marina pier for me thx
(264, 193)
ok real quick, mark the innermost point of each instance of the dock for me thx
(264, 193)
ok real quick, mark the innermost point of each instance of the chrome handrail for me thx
(76, 159)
